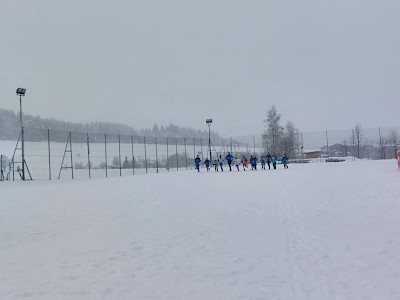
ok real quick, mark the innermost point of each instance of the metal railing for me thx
(54, 154)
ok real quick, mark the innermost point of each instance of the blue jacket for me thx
(253, 160)
(284, 160)
(197, 161)
(207, 162)
(229, 157)
(268, 158)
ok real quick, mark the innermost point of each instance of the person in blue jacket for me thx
(284, 161)
(269, 158)
(207, 163)
(253, 162)
(197, 162)
(274, 160)
(229, 159)
(262, 162)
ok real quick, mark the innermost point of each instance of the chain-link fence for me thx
(52, 154)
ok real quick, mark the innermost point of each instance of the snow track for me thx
(317, 231)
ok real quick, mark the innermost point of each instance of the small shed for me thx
(313, 154)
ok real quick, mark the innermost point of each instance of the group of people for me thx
(235, 161)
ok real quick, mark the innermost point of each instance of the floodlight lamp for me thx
(21, 91)
(209, 121)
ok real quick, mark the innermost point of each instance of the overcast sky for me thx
(324, 64)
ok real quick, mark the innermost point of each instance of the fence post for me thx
(145, 152)
(327, 144)
(194, 149)
(155, 138)
(105, 152)
(48, 146)
(23, 153)
(133, 158)
(70, 148)
(88, 152)
(119, 154)
(177, 158)
(302, 145)
(184, 142)
(1, 168)
(201, 147)
(167, 157)
(381, 147)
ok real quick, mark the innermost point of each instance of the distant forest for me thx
(10, 128)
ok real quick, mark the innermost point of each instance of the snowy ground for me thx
(315, 231)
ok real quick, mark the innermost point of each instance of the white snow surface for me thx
(314, 231)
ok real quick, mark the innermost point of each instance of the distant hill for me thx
(10, 128)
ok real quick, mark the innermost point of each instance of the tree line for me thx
(10, 128)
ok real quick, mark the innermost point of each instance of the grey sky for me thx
(324, 64)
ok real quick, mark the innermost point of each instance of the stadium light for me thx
(20, 92)
(208, 122)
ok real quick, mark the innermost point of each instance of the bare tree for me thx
(273, 131)
(382, 145)
(393, 140)
(359, 140)
(291, 139)
(345, 147)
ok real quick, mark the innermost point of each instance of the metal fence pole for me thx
(381, 147)
(48, 147)
(194, 149)
(88, 153)
(155, 138)
(133, 157)
(119, 154)
(327, 144)
(145, 152)
(105, 152)
(201, 148)
(177, 158)
(184, 142)
(167, 156)
(302, 146)
(70, 148)
(23, 153)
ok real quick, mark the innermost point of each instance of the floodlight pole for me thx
(208, 122)
(21, 92)
(20, 109)
(209, 139)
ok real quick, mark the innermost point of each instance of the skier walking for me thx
(229, 159)
(244, 162)
(207, 163)
(197, 163)
(284, 161)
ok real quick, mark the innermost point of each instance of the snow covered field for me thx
(314, 231)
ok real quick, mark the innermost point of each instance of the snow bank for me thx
(314, 231)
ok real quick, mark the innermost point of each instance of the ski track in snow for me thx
(316, 231)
